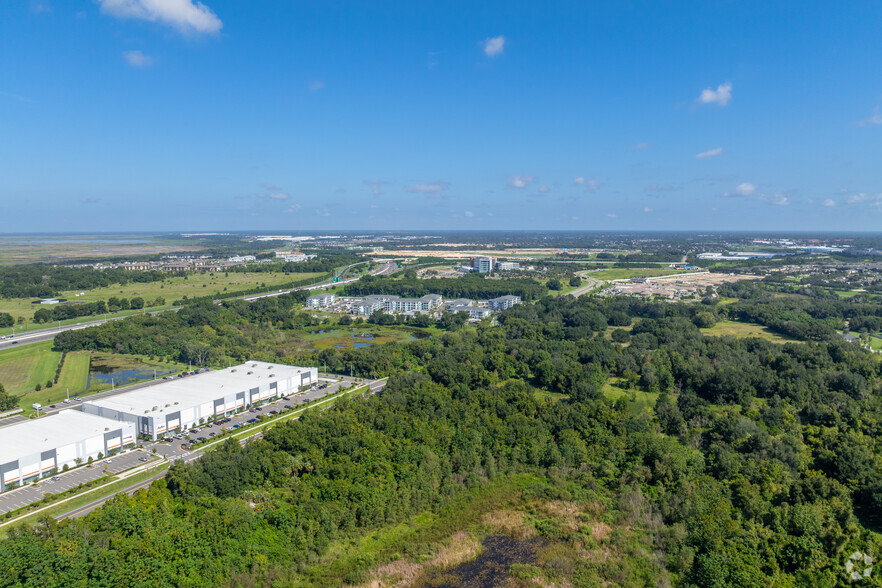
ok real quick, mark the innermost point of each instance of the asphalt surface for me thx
(31, 493)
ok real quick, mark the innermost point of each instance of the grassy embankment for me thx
(170, 289)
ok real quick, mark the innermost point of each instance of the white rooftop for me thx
(51, 432)
(172, 395)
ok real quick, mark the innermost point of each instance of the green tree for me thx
(6, 320)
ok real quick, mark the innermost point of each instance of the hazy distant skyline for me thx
(133, 115)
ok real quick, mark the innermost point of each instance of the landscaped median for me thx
(252, 430)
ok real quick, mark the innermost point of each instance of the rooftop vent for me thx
(233, 370)
(253, 365)
(249, 373)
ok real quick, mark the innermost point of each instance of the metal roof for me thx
(51, 432)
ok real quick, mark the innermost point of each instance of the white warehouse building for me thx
(183, 403)
(42, 446)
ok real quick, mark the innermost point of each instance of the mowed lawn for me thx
(738, 329)
(75, 372)
(22, 368)
(170, 289)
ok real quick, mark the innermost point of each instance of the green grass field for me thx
(849, 293)
(626, 273)
(738, 329)
(171, 289)
(22, 368)
(615, 389)
(876, 343)
(74, 372)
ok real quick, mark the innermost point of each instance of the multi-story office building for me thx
(482, 264)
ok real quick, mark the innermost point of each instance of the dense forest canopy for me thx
(760, 464)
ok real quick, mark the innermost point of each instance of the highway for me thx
(50, 333)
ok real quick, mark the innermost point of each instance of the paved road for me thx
(49, 333)
(591, 285)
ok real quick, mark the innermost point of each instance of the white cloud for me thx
(720, 96)
(543, 188)
(777, 199)
(521, 181)
(593, 185)
(857, 198)
(579, 181)
(137, 59)
(184, 15)
(292, 208)
(875, 119)
(744, 189)
(315, 86)
(709, 153)
(611, 215)
(432, 188)
(323, 212)
(829, 202)
(647, 210)
(494, 46)
(469, 213)
(375, 186)
(639, 147)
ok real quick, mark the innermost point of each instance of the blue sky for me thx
(282, 115)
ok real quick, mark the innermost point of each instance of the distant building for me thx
(475, 312)
(242, 258)
(321, 300)
(482, 264)
(294, 256)
(140, 266)
(370, 304)
(503, 302)
(507, 266)
(850, 338)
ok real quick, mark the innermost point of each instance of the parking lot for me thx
(28, 494)
(173, 449)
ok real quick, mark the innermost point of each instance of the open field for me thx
(441, 251)
(626, 273)
(74, 372)
(170, 289)
(16, 249)
(22, 368)
(738, 329)
(357, 336)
